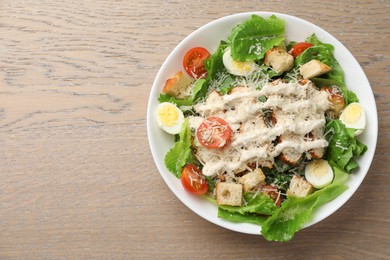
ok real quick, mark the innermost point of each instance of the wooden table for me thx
(77, 177)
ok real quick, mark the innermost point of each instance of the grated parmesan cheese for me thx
(298, 109)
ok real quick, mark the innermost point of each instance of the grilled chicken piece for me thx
(316, 153)
(289, 155)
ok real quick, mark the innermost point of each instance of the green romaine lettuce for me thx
(255, 203)
(342, 146)
(217, 72)
(295, 212)
(351, 97)
(252, 38)
(214, 64)
(237, 217)
(180, 153)
(270, 72)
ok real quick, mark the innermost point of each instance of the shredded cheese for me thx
(298, 110)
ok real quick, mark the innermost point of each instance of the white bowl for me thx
(209, 36)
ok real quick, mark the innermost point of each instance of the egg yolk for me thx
(319, 168)
(352, 114)
(168, 115)
(242, 66)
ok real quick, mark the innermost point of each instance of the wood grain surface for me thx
(77, 180)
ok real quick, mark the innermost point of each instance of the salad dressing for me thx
(299, 110)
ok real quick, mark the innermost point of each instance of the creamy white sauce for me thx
(299, 110)
(301, 146)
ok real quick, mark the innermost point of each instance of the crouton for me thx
(229, 194)
(179, 86)
(299, 187)
(313, 69)
(252, 179)
(279, 59)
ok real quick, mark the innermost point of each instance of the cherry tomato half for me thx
(193, 62)
(193, 180)
(273, 193)
(213, 133)
(298, 48)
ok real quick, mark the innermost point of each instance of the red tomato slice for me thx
(213, 133)
(298, 48)
(273, 193)
(193, 62)
(193, 180)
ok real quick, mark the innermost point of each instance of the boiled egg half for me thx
(353, 116)
(319, 173)
(238, 68)
(169, 117)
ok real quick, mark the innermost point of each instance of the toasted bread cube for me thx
(299, 187)
(252, 179)
(179, 86)
(313, 69)
(279, 59)
(229, 194)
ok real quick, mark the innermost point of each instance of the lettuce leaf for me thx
(255, 203)
(324, 53)
(180, 153)
(343, 146)
(216, 71)
(252, 38)
(295, 212)
(351, 97)
(257, 209)
(237, 217)
(214, 64)
(268, 70)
